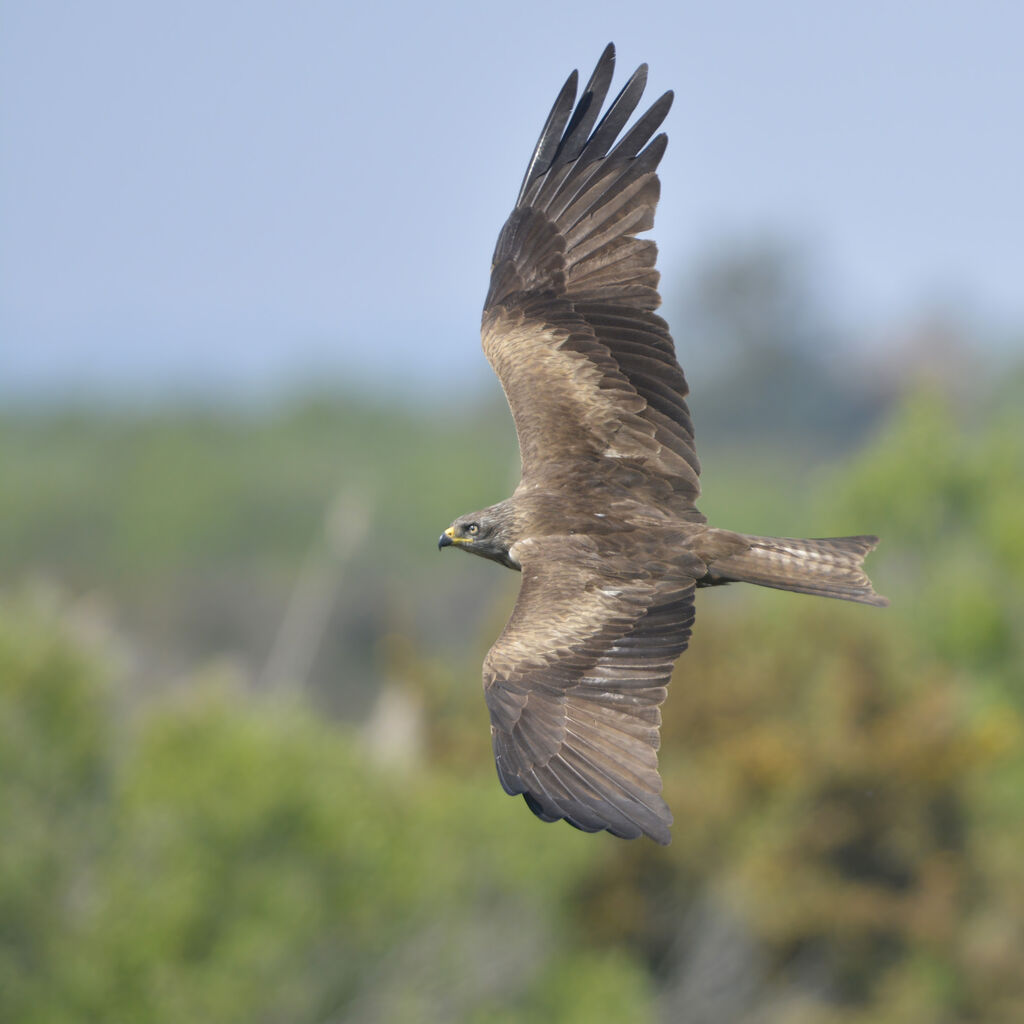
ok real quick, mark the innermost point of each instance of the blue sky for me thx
(225, 197)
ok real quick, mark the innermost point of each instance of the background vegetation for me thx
(245, 771)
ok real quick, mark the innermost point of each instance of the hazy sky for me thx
(226, 195)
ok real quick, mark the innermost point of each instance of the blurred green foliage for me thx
(846, 782)
(211, 858)
(948, 482)
(128, 498)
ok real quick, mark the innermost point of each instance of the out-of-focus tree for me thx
(946, 478)
(217, 858)
(763, 351)
(55, 787)
(846, 782)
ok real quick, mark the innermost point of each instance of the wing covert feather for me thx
(569, 323)
(575, 682)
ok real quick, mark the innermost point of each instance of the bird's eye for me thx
(473, 529)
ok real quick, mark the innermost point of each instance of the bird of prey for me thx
(603, 525)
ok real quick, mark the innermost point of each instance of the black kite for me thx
(603, 524)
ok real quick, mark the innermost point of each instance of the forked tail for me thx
(829, 567)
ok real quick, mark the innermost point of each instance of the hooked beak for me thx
(445, 540)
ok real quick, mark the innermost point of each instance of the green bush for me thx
(224, 859)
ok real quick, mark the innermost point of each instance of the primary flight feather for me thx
(603, 525)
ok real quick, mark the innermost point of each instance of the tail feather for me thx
(827, 567)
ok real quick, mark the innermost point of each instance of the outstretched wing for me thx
(575, 682)
(589, 370)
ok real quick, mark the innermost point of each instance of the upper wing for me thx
(575, 682)
(588, 369)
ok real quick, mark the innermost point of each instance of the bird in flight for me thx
(603, 525)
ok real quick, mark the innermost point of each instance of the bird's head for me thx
(482, 533)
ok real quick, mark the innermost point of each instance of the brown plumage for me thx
(604, 524)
